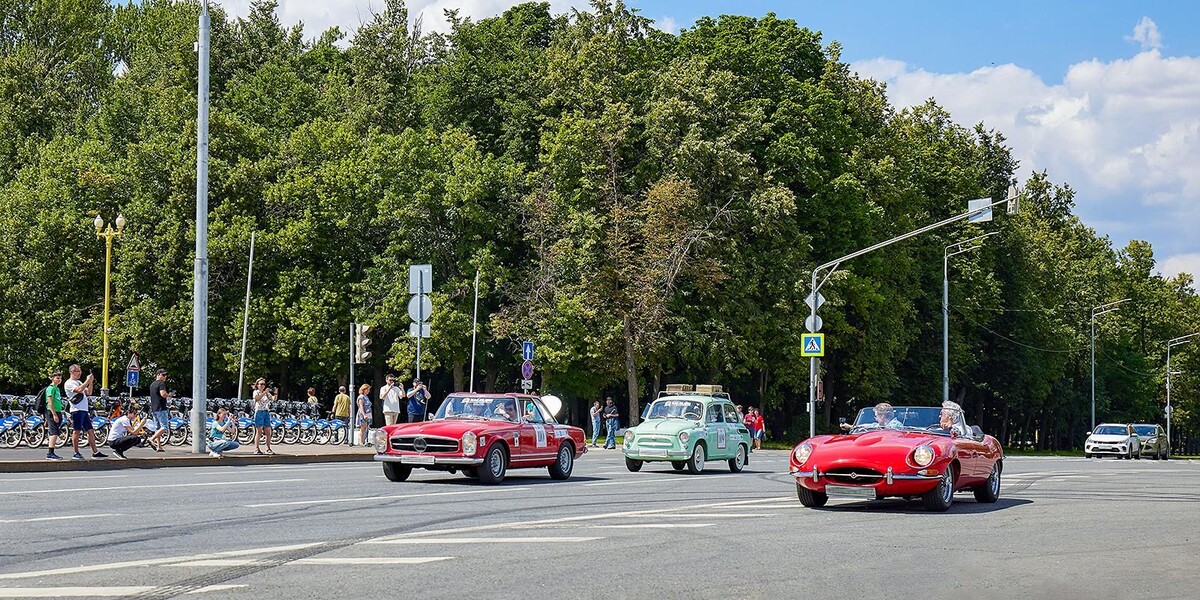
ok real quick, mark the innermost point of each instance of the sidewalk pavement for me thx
(33, 460)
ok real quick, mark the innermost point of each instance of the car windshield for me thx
(1112, 430)
(474, 408)
(1145, 430)
(675, 409)
(930, 419)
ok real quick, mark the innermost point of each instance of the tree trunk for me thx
(458, 377)
(489, 385)
(631, 372)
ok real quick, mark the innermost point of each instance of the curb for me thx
(112, 464)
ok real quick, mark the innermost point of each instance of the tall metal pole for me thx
(421, 322)
(1097, 311)
(474, 329)
(812, 367)
(200, 273)
(945, 325)
(353, 392)
(107, 274)
(246, 316)
(1170, 343)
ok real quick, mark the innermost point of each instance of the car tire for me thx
(810, 498)
(495, 465)
(1086, 455)
(396, 471)
(564, 463)
(678, 465)
(989, 492)
(471, 472)
(738, 462)
(695, 464)
(634, 465)
(941, 497)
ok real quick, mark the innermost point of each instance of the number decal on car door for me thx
(721, 438)
(539, 431)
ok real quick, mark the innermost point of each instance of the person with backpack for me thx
(50, 405)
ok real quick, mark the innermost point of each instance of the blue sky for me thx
(1103, 95)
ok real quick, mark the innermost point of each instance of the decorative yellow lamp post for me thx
(108, 234)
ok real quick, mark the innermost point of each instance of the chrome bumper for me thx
(888, 477)
(423, 461)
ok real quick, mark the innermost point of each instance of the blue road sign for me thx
(527, 370)
(131, 378)
(527, 351)
(812, 344)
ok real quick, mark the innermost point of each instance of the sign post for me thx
(420, 283)
(132, 373)
(527, 366)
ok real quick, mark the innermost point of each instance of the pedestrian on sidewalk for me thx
(755, 423)
(595, 412)
(54, 413)
(341, 405)
(262, 414)
(220, 441)
(158, 410)
(81, 417)
(612, 421)
(389, 397)
(364, 412)
(126, 433)
(418, 397)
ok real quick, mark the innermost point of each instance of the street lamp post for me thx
(108, 233)
(959, 248)
(1097, 311)
(830, 267)
(1179, 341)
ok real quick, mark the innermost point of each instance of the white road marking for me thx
(155, 486)
(408, 560)
(68, 477)
(714, 515)
(396, 497)
(153, 561)
(656, 480)
(218, 588)
(486, 540)
(64, 518)
(654, 526)
(74, 592)
(579, 518)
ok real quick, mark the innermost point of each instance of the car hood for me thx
(664, 426)
(1108, 439)
(875, 445)
(452, 428)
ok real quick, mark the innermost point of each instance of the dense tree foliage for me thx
(646, 207)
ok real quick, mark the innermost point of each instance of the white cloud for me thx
(1146, 33)
(1181, 263)
(666, 24)
(1125, 134)
(318, 16)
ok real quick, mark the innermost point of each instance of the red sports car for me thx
(482, 435)
(903, 451)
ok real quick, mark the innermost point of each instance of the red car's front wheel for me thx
(810, 498)
(941, 497)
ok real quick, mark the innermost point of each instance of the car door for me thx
(716, 434)
(535, 434)
(737, 430)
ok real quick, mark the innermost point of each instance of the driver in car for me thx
(947, 419)
(505, 411)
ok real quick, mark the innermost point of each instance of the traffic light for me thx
(361, 343)
(1014, 199)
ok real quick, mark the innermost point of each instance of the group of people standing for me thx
(755, 422)
(612, 421)
(414, 401)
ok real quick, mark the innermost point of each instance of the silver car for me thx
(1154, 441)
(1113, 439)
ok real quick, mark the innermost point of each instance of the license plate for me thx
(653, 452)
(417, 460)
(850, 491)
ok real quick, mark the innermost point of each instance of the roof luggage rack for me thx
(681, 389)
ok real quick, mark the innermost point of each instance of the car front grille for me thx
(424, 443)
(853, 475)
(654, 441)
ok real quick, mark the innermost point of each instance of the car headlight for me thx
(381, 442)
(684, 437)
(922, 456)
(628, 438)
(802, 452)
(1152, 441)
(470, 443)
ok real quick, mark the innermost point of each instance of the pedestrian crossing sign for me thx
(812, 344)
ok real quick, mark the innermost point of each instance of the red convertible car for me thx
(482, 435)
(904, 451)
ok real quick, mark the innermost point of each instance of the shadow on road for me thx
(962, 506)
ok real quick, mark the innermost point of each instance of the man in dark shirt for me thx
(418, 396)
(158, 409)
(611, 422)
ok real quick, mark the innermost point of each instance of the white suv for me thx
(1114, 439)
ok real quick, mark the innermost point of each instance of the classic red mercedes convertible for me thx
(904, 451)
(482, 435)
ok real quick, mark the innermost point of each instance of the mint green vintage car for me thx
(688, 429)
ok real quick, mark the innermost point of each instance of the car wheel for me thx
(989, 492)
(396, 471)
(678, 465)
(1167, 454)
(495, 465)
(633, 464)
(1086, 455)
(561, 469)
(738, 462)
(695, 464)
(941, 497)
(471, 472)
(810, 498)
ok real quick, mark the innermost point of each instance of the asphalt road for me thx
(1064, 528)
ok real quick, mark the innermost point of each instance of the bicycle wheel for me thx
(35, 436)
(308, 436)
